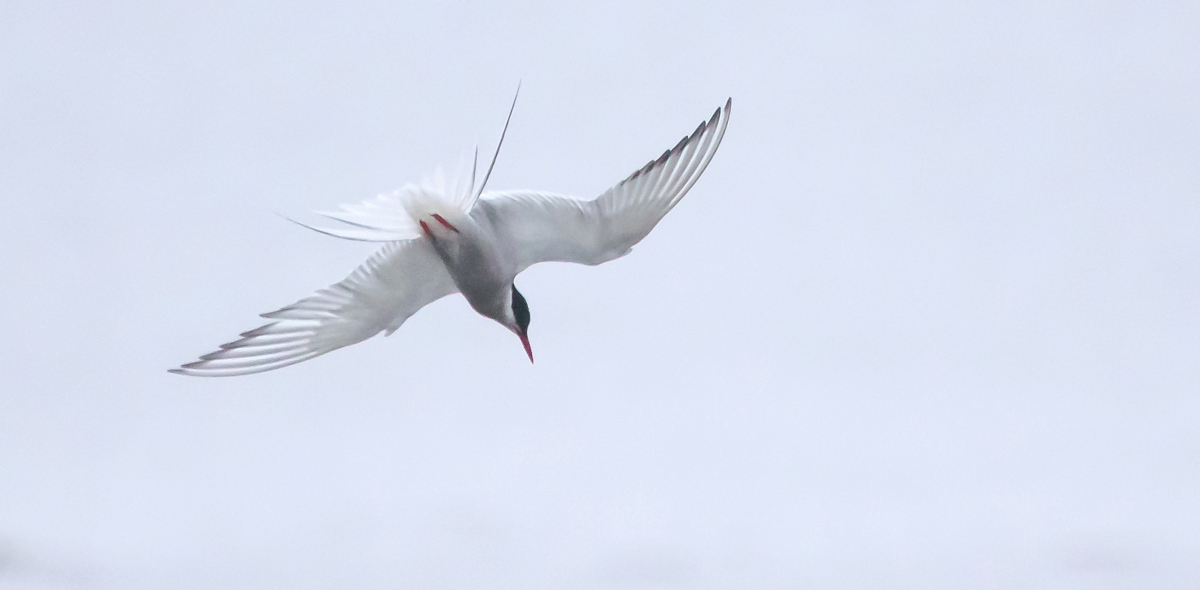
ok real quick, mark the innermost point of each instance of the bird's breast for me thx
(474, 263)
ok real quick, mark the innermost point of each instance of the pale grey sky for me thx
(929, 319)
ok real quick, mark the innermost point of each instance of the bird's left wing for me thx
(542, 227)
(396, 282)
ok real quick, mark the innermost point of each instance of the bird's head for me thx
(519, 320)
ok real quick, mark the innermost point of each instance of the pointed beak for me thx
(525, 342)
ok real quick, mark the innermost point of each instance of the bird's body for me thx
(440, 240)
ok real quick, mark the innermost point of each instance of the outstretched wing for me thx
(396, 282)
(544, 227)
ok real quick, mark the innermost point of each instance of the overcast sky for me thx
(929, 320)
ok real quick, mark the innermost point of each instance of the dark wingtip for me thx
(679, 146)
(177, 371)
(259, 330)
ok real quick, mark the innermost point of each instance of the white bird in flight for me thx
(441, 240)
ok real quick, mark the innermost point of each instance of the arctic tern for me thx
(440, 240)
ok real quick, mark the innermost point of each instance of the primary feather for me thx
(400, 279)
(546, 227)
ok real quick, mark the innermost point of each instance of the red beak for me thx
(528, 350)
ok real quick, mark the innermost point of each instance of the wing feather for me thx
(544, 227)
(396, 282)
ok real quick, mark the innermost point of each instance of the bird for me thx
(441, 238)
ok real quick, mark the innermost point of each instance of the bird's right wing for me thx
(542, 227)
(393, 284)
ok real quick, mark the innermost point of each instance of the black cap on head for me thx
(520, 310)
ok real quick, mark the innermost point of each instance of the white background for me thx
(929, 320)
